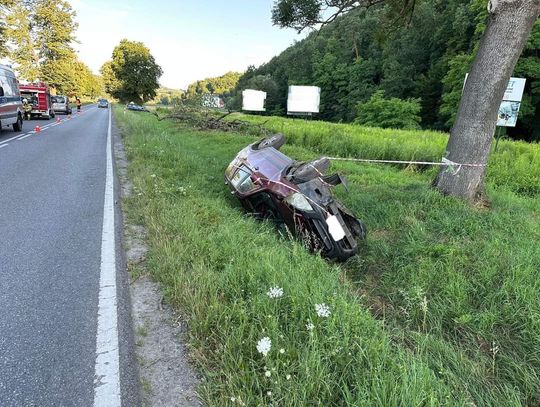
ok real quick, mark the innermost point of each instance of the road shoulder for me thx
(166, 376)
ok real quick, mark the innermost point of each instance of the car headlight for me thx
(299, 201)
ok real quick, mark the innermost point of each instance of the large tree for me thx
(509, 24)
(133, 73)
(4, 10)
(110, 82)
(40, 34)
(19, 31)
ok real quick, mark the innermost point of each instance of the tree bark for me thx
(509, 26)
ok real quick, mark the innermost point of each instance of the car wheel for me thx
(276, 141)
(17, 126)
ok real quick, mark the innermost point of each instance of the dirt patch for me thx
(166, 376)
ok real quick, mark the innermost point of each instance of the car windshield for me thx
(58, 99)
(242, 180)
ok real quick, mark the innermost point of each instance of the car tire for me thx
(17, 126)
(275, 141)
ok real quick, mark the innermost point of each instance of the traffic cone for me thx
(58, 120)
(37, 129)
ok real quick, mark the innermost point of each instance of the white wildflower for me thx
(269, 393)
(282, 351)
(288, 377)
(323, 310)
(310, 326)
(264, 345)
(233, 399)
(268, 373)
(153, 175)
(275, 292)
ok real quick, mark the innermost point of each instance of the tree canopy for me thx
(38, 38)
(132, 74)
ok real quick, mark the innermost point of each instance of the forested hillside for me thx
(222, 85)
(367, 51)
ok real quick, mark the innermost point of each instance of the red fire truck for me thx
(38, 96)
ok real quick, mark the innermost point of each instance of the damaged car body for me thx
(297, 195)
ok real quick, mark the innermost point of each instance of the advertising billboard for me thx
(303, 100)
(253, 100)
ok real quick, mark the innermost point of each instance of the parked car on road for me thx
(11, 109)
(297, 195)
(103, 103)
(38, 96)
(61, 104)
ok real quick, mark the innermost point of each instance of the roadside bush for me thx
(389, 113)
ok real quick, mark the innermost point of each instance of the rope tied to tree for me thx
(452, 166)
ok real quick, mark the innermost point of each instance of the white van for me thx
(11, 110)
(61, 104)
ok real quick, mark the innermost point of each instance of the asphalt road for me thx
(53, 247)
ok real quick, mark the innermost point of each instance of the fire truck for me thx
(38, 96)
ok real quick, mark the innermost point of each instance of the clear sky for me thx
(190, 39)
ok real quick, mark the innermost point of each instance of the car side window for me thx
(5, 86)
(14, 86)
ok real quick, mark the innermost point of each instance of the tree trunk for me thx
(508, 28)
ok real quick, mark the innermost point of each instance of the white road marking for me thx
(4, 145)
(107, 369)
(23, 137)
(9, 139)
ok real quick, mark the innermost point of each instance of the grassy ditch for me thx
(516, 165)
(441, 308)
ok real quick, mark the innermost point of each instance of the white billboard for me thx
(303, 100)
(253, 100)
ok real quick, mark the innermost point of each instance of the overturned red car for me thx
(297, 195)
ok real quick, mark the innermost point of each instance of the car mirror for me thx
(1, 91)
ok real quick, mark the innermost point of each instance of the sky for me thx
(190, 40)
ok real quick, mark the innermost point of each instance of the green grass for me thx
(516, 165)
(440, 308)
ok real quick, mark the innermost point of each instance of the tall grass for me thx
(440, 308)
(516, 165)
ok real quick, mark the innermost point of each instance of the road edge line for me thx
(107, 368)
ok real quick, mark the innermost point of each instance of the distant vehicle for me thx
(61, 104)
(297, 195)
(103, 103)
(39, 97)
(11, 108)
(136, 108)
